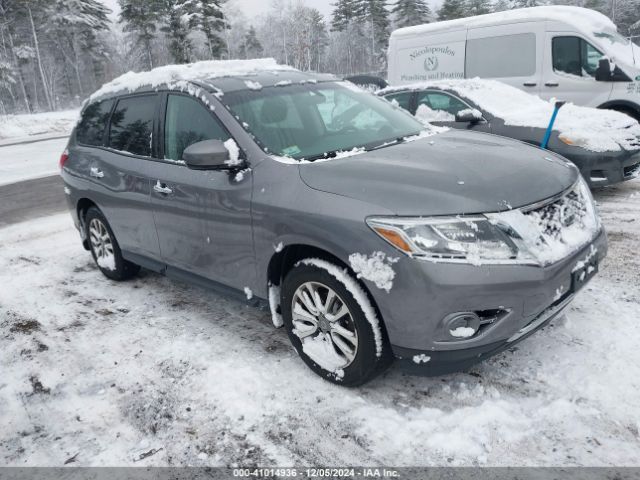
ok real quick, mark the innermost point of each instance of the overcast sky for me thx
(253, 8)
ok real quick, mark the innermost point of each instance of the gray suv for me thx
(368, 237)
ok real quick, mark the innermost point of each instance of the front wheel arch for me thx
(623, 106)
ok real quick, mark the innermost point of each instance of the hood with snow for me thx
(455, 172)
(590, 128)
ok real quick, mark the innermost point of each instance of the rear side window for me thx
(187, 122)
(93, 124)
(132, 125)
(504, 56)
(574, 56)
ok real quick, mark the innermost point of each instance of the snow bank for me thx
(20, 126)
(593, 129)
(180, 74)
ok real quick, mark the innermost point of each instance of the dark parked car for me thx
(368, 236)
(604, 145)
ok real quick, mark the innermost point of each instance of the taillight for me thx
(63, 158)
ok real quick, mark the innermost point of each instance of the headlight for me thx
(573, 141)
(470, 239)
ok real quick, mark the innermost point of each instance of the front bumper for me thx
(425, 294)
(608, 169)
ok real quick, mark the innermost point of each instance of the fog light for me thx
(462, 325)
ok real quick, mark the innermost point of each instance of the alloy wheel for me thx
(318, 311)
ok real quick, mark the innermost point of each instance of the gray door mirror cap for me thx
(469, 115)
(208, 155)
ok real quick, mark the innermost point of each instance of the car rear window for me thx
(132, 125)
(94, 122)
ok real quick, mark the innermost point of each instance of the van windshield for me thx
(317, 120)
(619, 47)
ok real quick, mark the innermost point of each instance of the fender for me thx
(624, 105)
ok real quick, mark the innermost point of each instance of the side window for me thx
(439, 101)
(132, 125)
(503, 56)
(94, 122)
(402, 99)
(187, 122)
(575, 56)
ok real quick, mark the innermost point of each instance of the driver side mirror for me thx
(603, 72)
(469, 115)
(207, 155)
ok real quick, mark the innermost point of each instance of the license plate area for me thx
(581, 276)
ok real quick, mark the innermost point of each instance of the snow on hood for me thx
(590, 128)
(177, 74)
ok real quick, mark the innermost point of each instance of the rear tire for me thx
(105, 249)
(323, 309)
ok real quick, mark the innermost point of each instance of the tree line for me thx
(53, 53)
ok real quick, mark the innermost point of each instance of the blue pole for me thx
(547, 134)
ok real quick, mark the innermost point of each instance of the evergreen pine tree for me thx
(411, 12)
(477, 7)
(451, 9)
(212, 23)
(375, 19)
(345, 12)
(179, 19)
(140, 18)
(252, 46)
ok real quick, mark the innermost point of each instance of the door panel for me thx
(119, 173)
(203, 217)
(569, 71)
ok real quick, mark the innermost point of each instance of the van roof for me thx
(221, 75)
(584, 18)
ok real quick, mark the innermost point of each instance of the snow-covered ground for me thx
(156, 372)
(30, 160)
(15, 128)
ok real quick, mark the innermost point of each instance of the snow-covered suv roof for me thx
(222, 75)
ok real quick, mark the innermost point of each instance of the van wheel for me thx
(323, 308)
(105, 249)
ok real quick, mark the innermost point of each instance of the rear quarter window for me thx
(132, 125)
(93, 124)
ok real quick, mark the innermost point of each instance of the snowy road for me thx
(29, 161)
(107, 373)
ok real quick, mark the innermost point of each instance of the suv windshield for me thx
(314, 121)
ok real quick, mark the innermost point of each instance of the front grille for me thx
(632, 170)
(564, 212)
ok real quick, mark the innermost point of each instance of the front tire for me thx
(332, 324)
(105, 249)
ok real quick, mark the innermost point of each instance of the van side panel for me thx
(432, 57)
(511, 53)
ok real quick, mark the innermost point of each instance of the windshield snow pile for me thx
(590, 128)
(180, 74)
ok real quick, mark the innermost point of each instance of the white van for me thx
(570, 53)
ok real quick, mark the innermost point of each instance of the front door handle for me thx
(551, 84)
(162, 188)
(529, 84)
(96, 172)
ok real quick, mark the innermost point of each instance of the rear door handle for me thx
(551, 84)
(162, 188)
(529, 84)
(96, 172)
